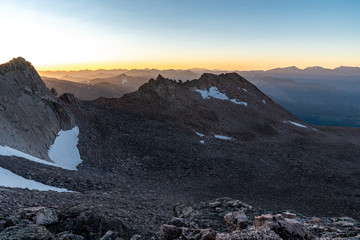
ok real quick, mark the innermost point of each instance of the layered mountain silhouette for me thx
(318, 95)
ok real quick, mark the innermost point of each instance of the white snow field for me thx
(223, 137)
(295, 123)
(64, 152)
(10, 179)
(215, 93)
(8, 151)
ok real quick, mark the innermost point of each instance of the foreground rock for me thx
(75, 223)
(202, 221)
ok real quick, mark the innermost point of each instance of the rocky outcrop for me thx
(76, 223)
(225, 104)
(30, 115)
(201, 221)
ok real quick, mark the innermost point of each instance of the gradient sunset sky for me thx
(215, 34)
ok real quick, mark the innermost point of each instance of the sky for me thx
(180, 34)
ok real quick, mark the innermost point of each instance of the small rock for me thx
(236, 220)
(238, 204)
(11, 221)
(263, 221)
(208, 234)
(214, 204)
(344, 224)
(219, 210)
(316, 220)
(170, 232)
(191, 233)
(54, 92)
(25, 231)
(137, 237)
(223, 236)
(2, 225)
(292, 230)
(183, 211)
(181, 222)
(68, 236)
(40, 215)
(110, 235)
(289, 215)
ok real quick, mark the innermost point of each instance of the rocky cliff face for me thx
(30, 115)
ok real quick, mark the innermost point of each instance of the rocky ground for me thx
(220, 219)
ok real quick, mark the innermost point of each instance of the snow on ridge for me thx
(215, 93)
(64, 152)
(239, 102)
(295, 123)
(12, 180)
(223, 137)
(200, 134)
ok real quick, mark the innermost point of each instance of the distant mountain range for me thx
(315, 94)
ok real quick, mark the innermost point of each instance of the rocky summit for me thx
(153, 159)
(224, 104)
(30, 115)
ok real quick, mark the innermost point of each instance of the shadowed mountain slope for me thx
(30, 115)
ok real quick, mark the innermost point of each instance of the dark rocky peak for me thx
(160, 78)
(16, 64)
(225, 81)
(225, 104)
(21, 73)
(70, 98)
(30, 115)
(158, 84)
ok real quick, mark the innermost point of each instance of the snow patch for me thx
(10, 179)
(223, 137)
(202, 141)
(295, 123)
(64, 152)
(124, 80)
(264, 101)
(239, 102)
(215, 93)
(200, 134)
(8, 151)
(244, 89)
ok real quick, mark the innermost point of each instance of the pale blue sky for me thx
(253, 34)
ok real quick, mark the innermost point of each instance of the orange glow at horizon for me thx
(175, 64)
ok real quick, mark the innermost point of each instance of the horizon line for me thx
(184, 69)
